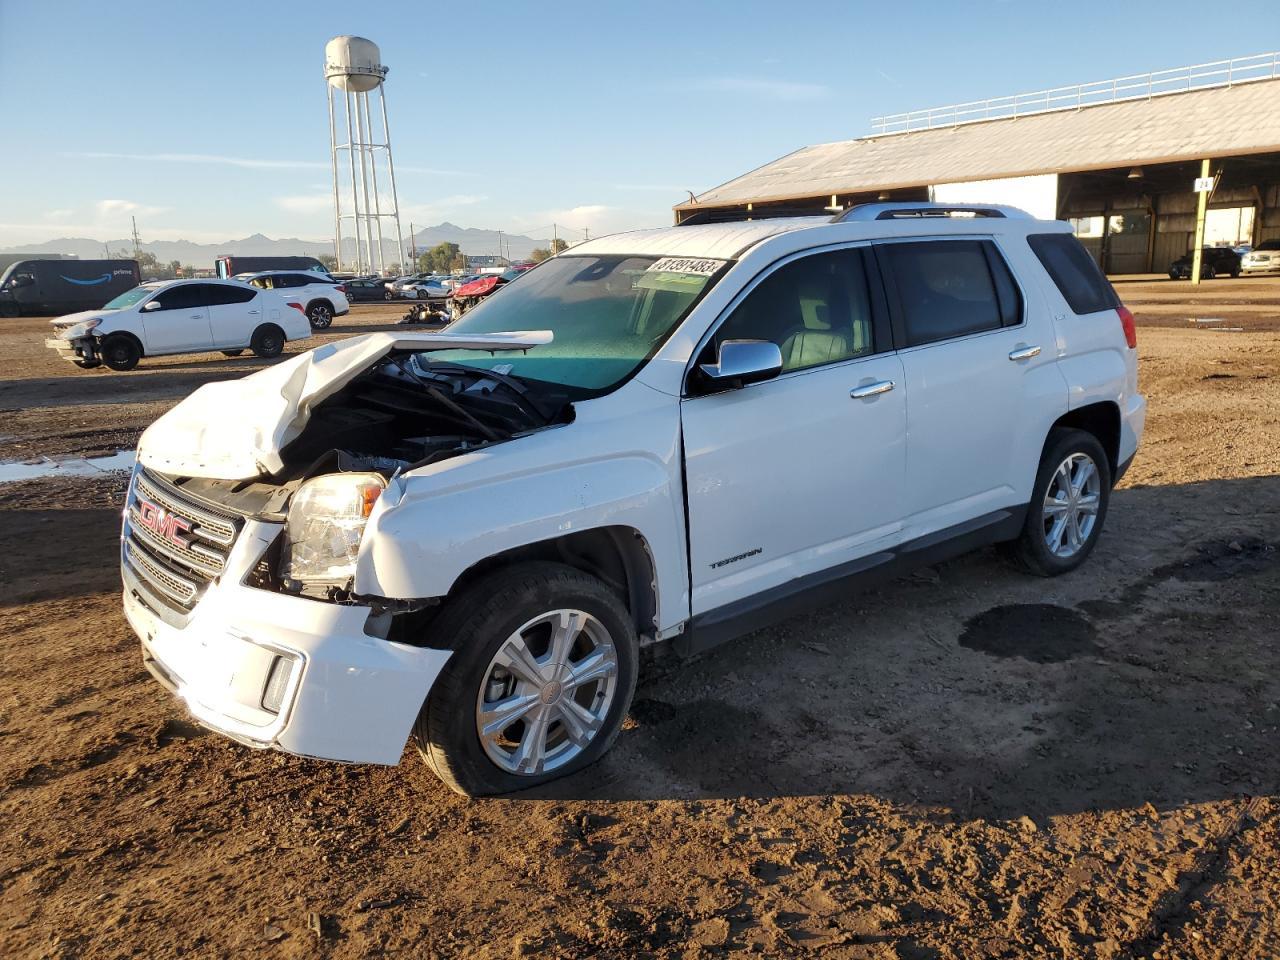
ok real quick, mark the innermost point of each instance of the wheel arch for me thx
(618, 556)
(1102, 419)
(127, 335)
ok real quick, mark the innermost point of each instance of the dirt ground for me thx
(966, 763)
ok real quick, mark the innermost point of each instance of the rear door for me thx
(180, 324)
(234, 313)
(979, 364)
(793, 477)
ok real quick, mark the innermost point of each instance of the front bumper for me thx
(350, 696)
(73, 350)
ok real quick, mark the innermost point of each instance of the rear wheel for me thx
(1208, 273)
(267, 342)
(543, 671)
(320, 314)
(120, 352)
(1068, 504)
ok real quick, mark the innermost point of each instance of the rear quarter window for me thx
(1075, 273)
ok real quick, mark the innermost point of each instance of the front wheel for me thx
(1068, 504)
(543, 671)
(120, 352)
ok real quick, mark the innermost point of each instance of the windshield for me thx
(129, 298)
(608, 314)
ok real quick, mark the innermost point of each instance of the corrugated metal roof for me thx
(1226, 121)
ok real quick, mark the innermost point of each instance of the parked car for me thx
(397, 286)
(322, 299)
(366, 289)
(1214, 262)
(1264, 258)
(230, 266)
(179, 316)
(432, 288)
(691, 432)
(34, 287)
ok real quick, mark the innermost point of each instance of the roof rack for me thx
(863, 212)
(736, 213)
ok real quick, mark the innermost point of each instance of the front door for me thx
(180, 324)
(803, 473)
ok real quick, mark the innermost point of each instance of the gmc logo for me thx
(167, 525)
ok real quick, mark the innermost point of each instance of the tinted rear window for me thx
(946, 289)
(1076, 274)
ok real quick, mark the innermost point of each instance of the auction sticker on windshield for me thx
(696, 266)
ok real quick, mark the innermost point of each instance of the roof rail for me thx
(863, 212)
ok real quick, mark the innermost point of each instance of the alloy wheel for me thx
(547, 692)
(1071, 503)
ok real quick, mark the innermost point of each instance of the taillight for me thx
(297, 306)
(342, 288)
(1130, 331)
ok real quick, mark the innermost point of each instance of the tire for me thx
(527, 601)
(120, 352)
(1208, 273)
(1032, 549)
(1235, 274)
(87, 364)
(267, 342)
(319, 314)
(232, 353)
(388, 295)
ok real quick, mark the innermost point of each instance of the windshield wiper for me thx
(517, 389)
(451, 405)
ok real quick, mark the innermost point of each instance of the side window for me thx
(185, 296)
(816, 309)
(950, 288)
(1074, 272)
(288, 281)
(220, 294)
(262, 283)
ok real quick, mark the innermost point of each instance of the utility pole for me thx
(413, 244)
(137, 250)
(586, 234)
(499, 244)
(555, 237)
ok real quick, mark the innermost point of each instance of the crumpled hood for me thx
(235, 430)
(67, 321)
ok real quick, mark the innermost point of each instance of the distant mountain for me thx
(469, 239)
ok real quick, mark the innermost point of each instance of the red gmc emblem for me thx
(167, 525)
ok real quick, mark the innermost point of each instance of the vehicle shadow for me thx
(1149, 675)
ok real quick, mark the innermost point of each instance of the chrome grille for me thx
(180, 551)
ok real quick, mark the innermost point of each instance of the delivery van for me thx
(32, 287)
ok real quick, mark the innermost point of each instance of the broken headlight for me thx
(322, 532)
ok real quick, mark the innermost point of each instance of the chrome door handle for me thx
(871, 390)
(197, 316)
(253, 313)
(1024, 353)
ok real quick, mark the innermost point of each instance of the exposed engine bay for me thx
(405, 412)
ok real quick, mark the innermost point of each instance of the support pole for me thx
(362, 134)
(1202, 203)
(355, 195)
(391, 171)
(376, 221)
(337, 205)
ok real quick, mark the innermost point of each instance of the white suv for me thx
(179, 316)
(322, 298)
(469, 535)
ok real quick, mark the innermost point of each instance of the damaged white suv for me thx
(467, 536)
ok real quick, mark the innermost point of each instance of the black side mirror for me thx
(741, 362)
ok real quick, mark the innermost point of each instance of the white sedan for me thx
(180, 316)
(433, 288)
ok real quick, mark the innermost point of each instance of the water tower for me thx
(353, 70)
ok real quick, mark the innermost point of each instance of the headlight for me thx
(325, 523)
(81, 329)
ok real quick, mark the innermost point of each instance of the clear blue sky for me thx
(595, 114)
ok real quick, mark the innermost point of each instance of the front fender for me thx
(417, 545)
